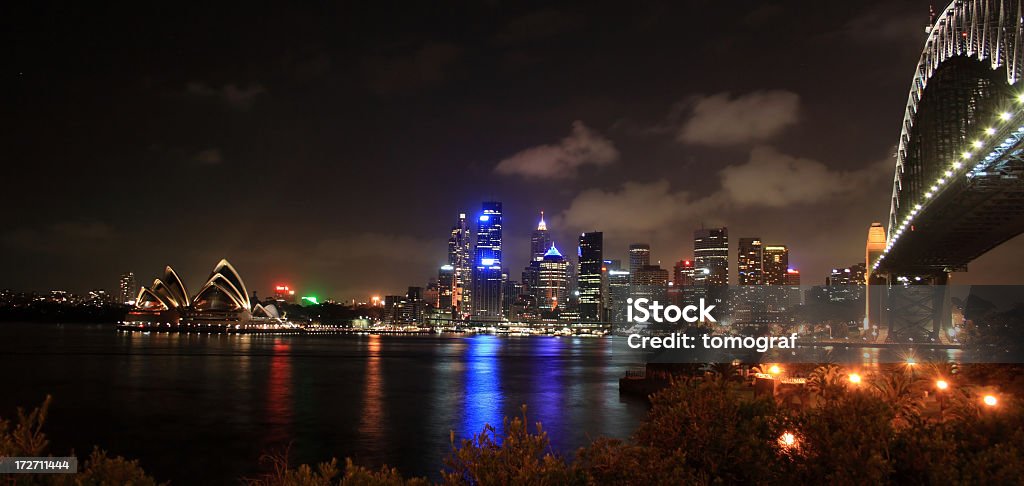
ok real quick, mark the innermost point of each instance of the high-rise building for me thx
(591, 253)
(553, 283)
(540, 240)
(511, 290)
(639, 256)
(127, 289)
(461, 261)
(711, 256)
(749, 261)
(776, 263)
(793, 277)
(446, 289)
(487, 272)
(682, 274)
(284, 294)
(618, 293)
(412, 311)
(651, 282)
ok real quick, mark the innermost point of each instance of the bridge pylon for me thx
(916, 308)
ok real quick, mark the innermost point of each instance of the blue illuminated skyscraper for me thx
(487, 288)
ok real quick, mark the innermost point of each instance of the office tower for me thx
(412, 311)
(618, 293)
(711, 256)
(650, 282)
(511, 290)
(682, 274)
(284, 294)
(540, 240)
(553, 281)
(446, 289)
(639, 256)
(462, 264)
(487, 272)
(776, 263)
(852, 275)
(749, 260)
(394, 306)
(793, 277)
(127, 289)
(591, 252)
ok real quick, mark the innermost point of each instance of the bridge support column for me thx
(918, 309)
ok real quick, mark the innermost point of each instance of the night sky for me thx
(331, 146)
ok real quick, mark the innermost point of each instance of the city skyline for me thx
(345, 158)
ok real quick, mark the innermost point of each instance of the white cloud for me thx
(721, 119)
(774, 179)
(582, 147)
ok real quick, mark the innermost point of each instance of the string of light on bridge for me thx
(954, 170)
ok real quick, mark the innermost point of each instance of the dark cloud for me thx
(582, 147)
(210, 156)
(427, 65)
(231, 94)
(537, 25)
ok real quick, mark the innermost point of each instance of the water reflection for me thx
(279, 393)
(484, 399)
(371, 424)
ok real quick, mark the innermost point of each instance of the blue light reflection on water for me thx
(484, 398)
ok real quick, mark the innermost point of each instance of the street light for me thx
(941, 384)
(775, 370)
(788, 441)
(990, 400)
(855, 378)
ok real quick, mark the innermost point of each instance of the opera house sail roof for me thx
(222, 300)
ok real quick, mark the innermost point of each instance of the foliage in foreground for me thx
(712, 432)
(697, 432)
(25, 438)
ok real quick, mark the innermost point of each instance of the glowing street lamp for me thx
(788, 441)
(775, 370)
(855, 378)
(990, 400)
(941, 385)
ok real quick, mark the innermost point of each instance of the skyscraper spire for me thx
(542, 226)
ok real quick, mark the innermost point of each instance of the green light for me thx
(311, 299)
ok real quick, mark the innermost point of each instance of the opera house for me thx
(221, 304)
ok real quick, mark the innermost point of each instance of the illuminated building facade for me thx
(682, 274)
(711, 256)
(591, 253)
(553, 283)
(775, 265)
(749, 261)
(461, 261)
(446, 289)
(222, 302)
(284, 294)
(487, 274)
(127, 289)
(618, 293)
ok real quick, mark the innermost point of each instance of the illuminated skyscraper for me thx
(682, 274)
(749, 261)
(591, 252)
(540, 240)
(776, 263)
(459, 258)
(639, 256)
(553, 283)
(711, 255)
(618, 292)
(446, 289)
(127, 289)
(487, 274)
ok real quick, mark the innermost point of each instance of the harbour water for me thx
(198, 408)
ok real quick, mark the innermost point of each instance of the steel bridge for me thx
(957, 191)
